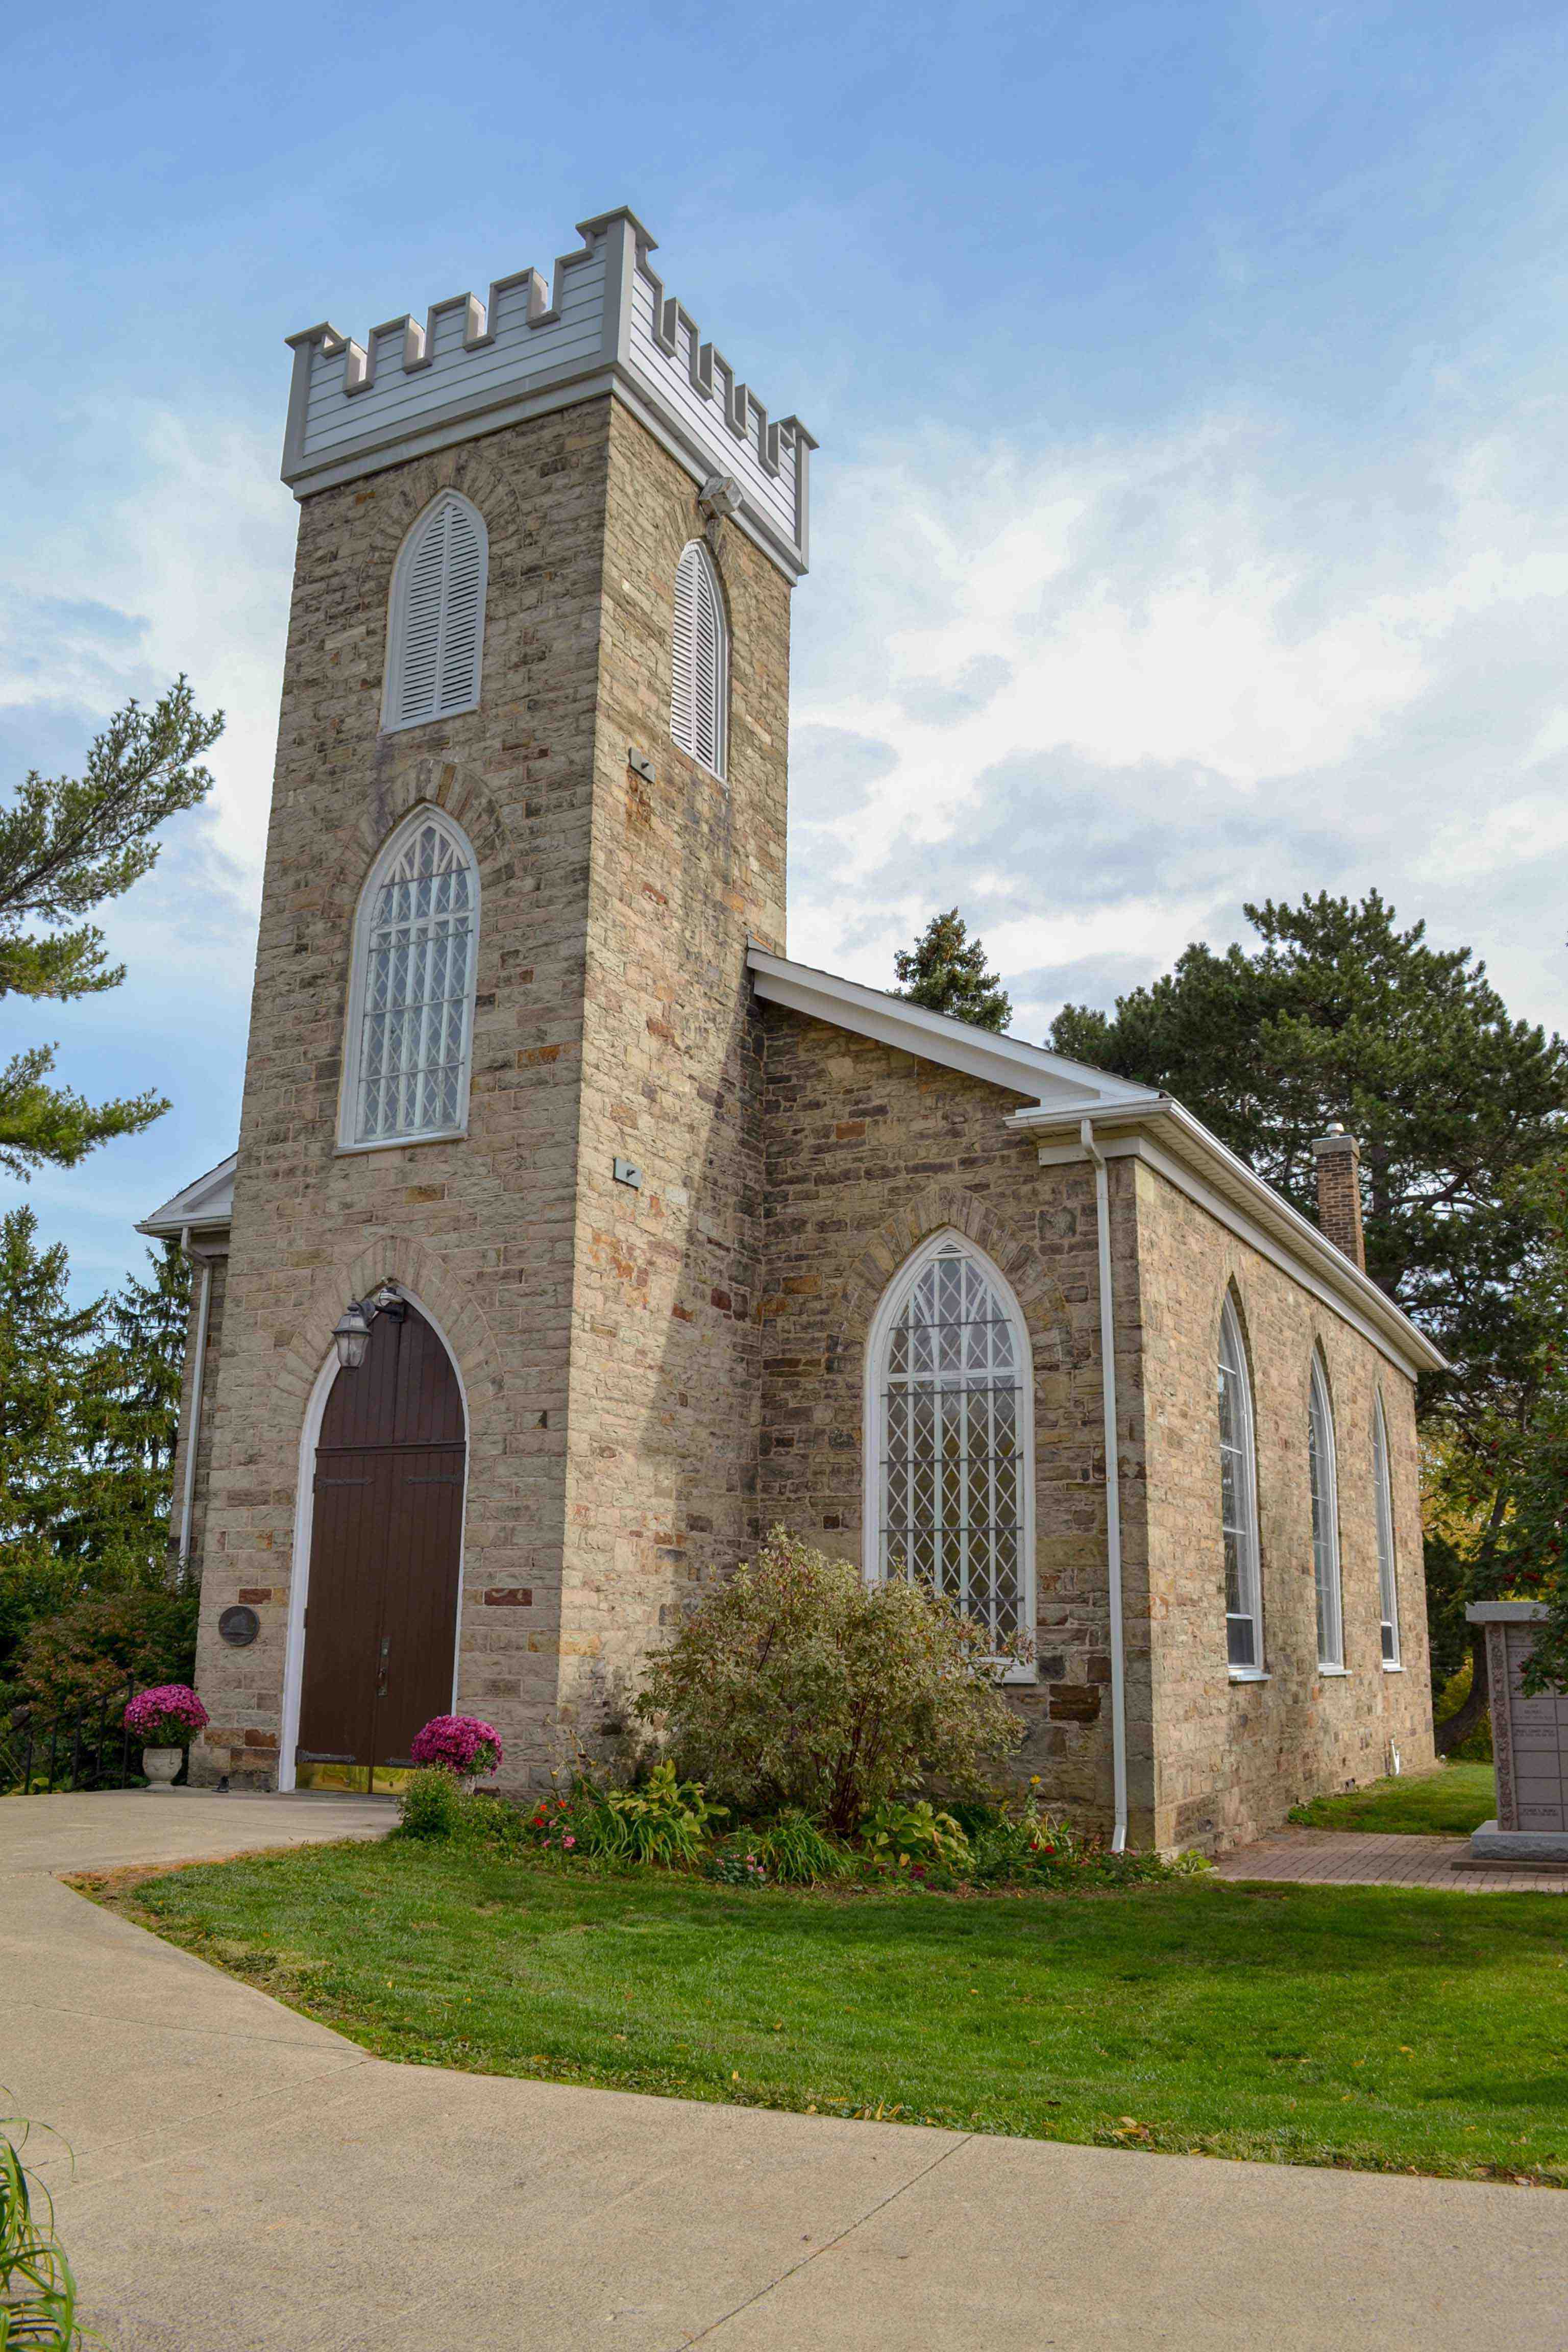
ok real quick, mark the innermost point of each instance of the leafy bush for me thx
(791, 1850)
(798, 1683)
(463, 1743)
(37, 2291)
(167, 1716)
(664, 1821)
(914, 1834)
(88, 1652)
(432, 1804)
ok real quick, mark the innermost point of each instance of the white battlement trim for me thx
(607, 325)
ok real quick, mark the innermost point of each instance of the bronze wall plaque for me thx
(238, 1627)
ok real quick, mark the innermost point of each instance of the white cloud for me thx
(1116, 687)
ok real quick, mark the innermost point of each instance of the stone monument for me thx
(1530, 1741)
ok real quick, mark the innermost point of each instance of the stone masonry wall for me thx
(868, 1152)
(1232, 1758)
(480, 1230)
(665, 1395)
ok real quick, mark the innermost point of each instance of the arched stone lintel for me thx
(1044, 1310)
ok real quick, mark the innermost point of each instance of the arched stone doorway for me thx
(386, 1530)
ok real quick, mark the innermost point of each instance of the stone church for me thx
(576, 1235)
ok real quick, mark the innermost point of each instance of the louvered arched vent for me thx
(438, 621)
(700, 696)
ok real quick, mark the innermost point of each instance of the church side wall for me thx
(480, 1230)
(666, 1346)
(218, 1263)
(869, 1150)
(1233, 1757)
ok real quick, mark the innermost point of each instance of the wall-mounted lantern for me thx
(351, 1331)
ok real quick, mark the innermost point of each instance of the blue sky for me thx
(1191, 519)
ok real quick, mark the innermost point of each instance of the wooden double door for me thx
(386, 1530)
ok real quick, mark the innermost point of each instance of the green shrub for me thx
(664, 1821)
(85, 1654)
(798, 1683)
(37, 2291)
(915, 1836)
(433, 1805)
(793, 1851)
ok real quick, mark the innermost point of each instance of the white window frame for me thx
(398, 617)
(1387, 1557)
(1243, 1443)
(348, 1138)
(683, 725)
(874, 1417)
(1323, 1481)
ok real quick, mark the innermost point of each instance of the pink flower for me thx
(568, 1841)
(463, 1743)
(166, 1716)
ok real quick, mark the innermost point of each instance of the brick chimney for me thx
(1338, 1192)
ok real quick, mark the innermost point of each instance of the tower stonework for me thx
(602, 1328)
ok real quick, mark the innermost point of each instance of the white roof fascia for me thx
(1062, 1089)
(1210, 1173)
(208, 1202)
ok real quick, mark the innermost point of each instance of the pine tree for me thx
(66, 843)
(1339, 1015)
(127, 1422)
(42, 1341)
(945, 971)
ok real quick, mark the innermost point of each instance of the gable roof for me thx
(1051, 1082)
(1130, 1121)
(207, 1203)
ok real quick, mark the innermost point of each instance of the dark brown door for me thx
(381, 1616)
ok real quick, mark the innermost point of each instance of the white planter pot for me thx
(161, 1765)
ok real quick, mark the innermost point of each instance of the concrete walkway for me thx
(1379, 1858)
(246, 2181)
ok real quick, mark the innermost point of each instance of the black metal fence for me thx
(87, 1746)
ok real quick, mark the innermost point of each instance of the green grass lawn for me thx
(1449, 1802)
(1363, 2026)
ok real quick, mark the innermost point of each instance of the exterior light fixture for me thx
(351, 1332)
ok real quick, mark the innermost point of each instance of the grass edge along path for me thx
(1369, 2028)
(1448, 1802)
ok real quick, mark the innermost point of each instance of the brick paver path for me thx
(1373, 1858)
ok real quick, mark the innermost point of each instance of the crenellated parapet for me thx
(604, 324)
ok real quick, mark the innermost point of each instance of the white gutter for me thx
(1112, 1488)
(198, 1374)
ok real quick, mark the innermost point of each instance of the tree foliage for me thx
(89, 1414)
(946, 971)
(797, 1683)
(1341, 1014)
(67, 844)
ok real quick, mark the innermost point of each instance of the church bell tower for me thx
(503, 1067)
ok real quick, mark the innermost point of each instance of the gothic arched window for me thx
(411, 1000)
(950, 1436)
(1238, 1501)
(1325, 1522)
(436, 625)
(1383, 1496)
(699, 694)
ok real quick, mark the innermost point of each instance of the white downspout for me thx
(199, 1375)
(1112, 1488)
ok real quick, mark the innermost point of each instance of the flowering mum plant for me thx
(169, 1716)
(461, 1742)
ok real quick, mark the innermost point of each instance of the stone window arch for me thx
(950, 1435)
(1323, 1482)
(411, 997)
(436, 621)
(1238, 1499)
(700, 661)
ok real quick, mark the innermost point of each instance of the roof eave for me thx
(1303, 1239)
